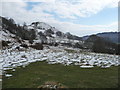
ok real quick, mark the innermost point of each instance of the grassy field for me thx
(36, 74)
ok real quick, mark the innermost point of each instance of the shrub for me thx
(56, 44)
(4, 43)
(66, 44)
(24, 45)
(53, 44)
(37, 46)
(18, 48)
(31, 41)
(58, 33)
(77, 45)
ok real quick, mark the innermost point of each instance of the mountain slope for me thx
(40, 32)
(109, 36)
(47, 30)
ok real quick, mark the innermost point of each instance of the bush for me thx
(50, 44)
(4, 43)
(18, 48)
(31, 41)
(24, 45)
(56, 44)
(8, 42)
(18, 40)
(58, 33)
(49, 32)
(77, 45)
(67, 44)
(37, 46)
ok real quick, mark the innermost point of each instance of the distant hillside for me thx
(38, 33)
(109, 36)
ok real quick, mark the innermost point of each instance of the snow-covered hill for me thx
(6, 35)
(40, 25)
(18, 50)
(51, 34)
(44, 29)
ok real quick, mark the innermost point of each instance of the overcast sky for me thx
(79, 17)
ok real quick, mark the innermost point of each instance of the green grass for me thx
(38, 73)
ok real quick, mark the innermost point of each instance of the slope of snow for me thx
(40, 30)
(39, 25)
(43, 26)
(6, 35)
(12, 58)
(30, 27)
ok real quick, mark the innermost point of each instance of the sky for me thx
(79, 17)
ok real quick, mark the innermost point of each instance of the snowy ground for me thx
(12, 58)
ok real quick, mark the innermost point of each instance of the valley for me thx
(43, 55)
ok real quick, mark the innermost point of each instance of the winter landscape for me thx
(40, 55)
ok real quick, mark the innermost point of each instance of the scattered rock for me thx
(52, 85)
